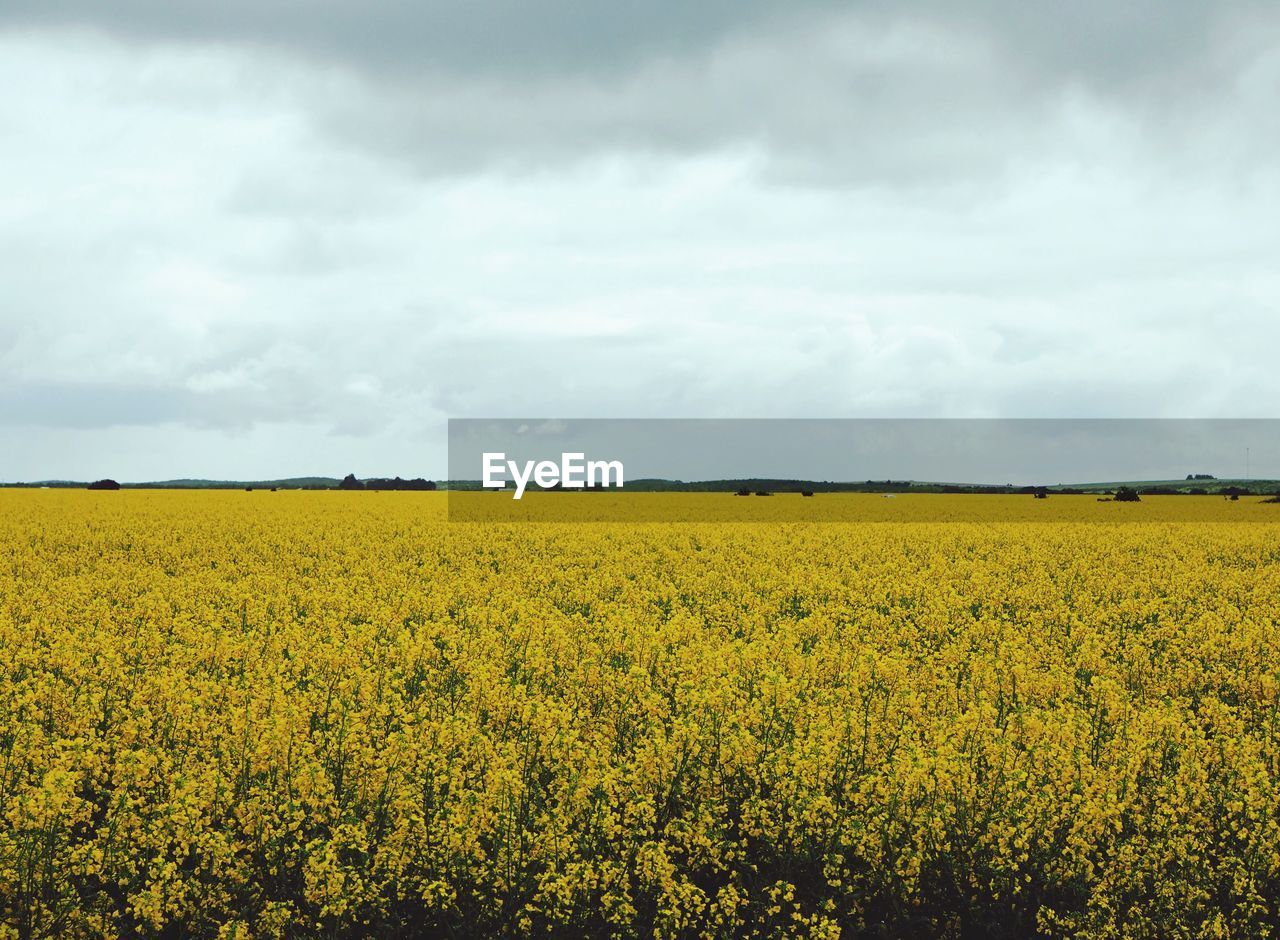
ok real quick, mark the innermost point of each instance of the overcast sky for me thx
(252, 239)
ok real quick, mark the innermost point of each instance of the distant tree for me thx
(1040, 492)
(763, 493)
(104, 485)
(742, 493)
(1126, 494)
(381, 483)
(349, 482)
(806, 492)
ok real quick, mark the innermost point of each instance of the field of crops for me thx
(325, 714)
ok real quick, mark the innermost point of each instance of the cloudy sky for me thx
(254, 239)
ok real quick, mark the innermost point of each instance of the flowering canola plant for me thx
(336, 714)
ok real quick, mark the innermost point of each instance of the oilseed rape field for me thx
(322, 714)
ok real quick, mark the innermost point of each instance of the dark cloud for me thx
(1140, 43)
(868, 93)
(501, 38)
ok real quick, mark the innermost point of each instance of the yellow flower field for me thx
(336, 714)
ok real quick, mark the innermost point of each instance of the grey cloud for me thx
(866, 95)
(871, 93)
(1142, 43)
(496, 38)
